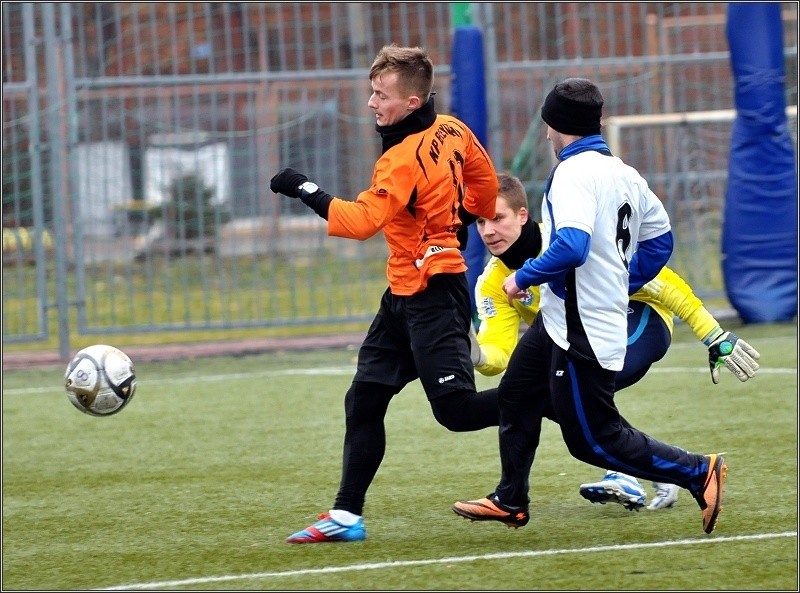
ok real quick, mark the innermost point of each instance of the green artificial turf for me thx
(196, 484)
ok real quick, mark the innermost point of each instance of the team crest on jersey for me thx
(487, 305)
(527, 300)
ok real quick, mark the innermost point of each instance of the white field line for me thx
(742, 334)
(761, 371)
(200, 378)
(446, 560)
(335, 371)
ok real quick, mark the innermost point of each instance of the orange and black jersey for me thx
(417, 187)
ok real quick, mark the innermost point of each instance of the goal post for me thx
(615, 123)
(684, 157)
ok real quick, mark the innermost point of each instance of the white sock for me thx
(345, 518)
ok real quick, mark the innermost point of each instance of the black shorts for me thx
(425, 336)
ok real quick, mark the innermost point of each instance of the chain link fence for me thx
(139, 140)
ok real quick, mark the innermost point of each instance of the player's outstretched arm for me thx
(294, 184)
(724, 348)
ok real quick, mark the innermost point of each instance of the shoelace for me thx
(662, 492)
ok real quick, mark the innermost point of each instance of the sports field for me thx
(195, 485)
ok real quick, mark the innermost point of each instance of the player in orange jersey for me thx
(432, 177)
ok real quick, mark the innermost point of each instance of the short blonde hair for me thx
(413, 67)
(512, 190)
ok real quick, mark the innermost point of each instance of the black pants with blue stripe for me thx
(543, 380)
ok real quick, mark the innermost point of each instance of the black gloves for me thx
(287, 181)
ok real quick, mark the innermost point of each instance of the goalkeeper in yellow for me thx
(511, 238)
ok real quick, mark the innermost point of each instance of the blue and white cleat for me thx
(666, 496)
(328, 530)
(616, 487)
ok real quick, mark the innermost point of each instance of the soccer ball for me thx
(100, 380)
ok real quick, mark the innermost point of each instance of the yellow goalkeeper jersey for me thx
(668, 294)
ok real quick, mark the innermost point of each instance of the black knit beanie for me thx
(571, 117)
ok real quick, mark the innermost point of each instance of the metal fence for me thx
(139, 140)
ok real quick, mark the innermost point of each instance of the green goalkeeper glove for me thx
(726, 348)
(475, 351)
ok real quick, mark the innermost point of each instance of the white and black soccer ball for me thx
(100, 380)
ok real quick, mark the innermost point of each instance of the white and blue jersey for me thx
(596, 213)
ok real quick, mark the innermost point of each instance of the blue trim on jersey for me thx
(593, 142)
(650, 257)
(570, 248)
(641, 327)
(567, 251)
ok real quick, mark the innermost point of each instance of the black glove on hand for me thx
(287, 181)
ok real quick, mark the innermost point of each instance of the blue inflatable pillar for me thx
(759, 230)
(468, 91)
